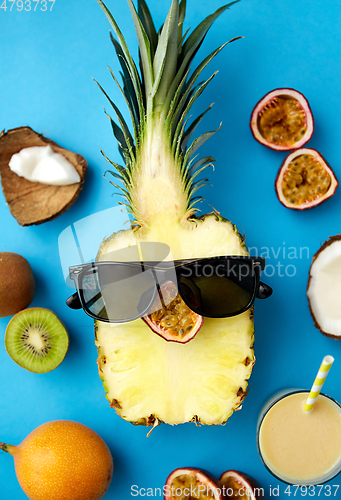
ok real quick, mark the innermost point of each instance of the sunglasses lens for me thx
(117, 292)
(218, 287)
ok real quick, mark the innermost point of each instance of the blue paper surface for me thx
(47, 61)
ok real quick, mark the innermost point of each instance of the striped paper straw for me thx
(319, 381)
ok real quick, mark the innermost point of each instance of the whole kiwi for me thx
(16, 284)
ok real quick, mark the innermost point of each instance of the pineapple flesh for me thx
(147, 379)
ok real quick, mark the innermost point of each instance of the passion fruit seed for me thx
(305, 180)
(182, 484)
(282, 121)
(175, 316)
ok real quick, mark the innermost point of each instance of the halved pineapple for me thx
(147, 379)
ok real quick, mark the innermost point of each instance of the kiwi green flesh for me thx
(36, 340)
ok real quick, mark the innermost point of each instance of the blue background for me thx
(47, 60)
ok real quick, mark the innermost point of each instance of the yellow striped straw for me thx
(319, 381)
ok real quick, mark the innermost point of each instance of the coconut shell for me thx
(33, 203)
(326, 244)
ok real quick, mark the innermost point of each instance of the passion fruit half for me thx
(324, 288)
(171, 318)
(190, 483)
(305, 180)
(235, 484)
(282, 120)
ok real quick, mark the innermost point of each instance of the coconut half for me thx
(32, 202)
(324, 288)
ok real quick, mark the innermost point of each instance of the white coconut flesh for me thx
(42, 164)
(324, 290)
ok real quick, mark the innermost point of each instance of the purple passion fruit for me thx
(172, 319)
(282, 120)
(235, 484)
(16, 284)
(189, 483)
(305, 180)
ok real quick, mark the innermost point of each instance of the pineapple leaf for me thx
(197, 185)
(145, 50)
(198, 164)
(198, 142)
(125, 194)
(132, 101)
(197, 36)
(178, 142)
(170, 117)
(127, 78)
(206, 61)
(182, 40)
(125, 173)
(148, 24)
(127, 57)
(190, 131)
(129, 107)
(166, 56)
(193, 42)
(189, 105)
(114, 174)
(198, 172)
(119, 136)
(126, 140)
(182, 15)
(189, 92)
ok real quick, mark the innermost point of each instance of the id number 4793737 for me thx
(27, 5)
(320, 490)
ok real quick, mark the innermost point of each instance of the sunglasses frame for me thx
(257, 264)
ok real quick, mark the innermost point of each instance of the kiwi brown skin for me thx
(16, 284)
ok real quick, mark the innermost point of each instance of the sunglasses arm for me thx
(73, 302)
(264, 291)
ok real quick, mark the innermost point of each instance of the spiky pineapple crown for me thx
(159, 96)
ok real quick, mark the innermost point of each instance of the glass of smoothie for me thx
(299, 447)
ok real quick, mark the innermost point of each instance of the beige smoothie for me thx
(300, 447)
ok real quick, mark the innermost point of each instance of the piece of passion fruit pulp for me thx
(282, 120)
(305, 180)
(190, 483)
(235, 484)
(171, 318)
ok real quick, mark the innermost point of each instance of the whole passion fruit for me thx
(171, 318)
(235, 484)
(282, 120)
(305, 180)
(189, 483)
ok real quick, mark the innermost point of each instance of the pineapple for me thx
(147, 379)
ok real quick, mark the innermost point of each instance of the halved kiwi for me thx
(36, 340)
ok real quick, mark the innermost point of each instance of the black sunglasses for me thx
(214, 287)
